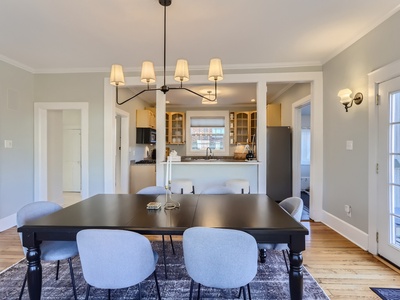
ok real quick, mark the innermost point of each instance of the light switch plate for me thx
(8, 144)
(349, 145)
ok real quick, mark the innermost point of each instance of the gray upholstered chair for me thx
(219, 258)
(50, 250)
(115, 259)
(218, 190)
(151, 190)
(294, 207)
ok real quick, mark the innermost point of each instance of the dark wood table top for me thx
(256, 214)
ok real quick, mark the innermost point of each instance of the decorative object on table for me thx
(269, 283)
(169, 204)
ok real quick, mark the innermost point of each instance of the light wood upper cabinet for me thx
(274, 114)
(175, 128)
(145, 119)
(245, 126)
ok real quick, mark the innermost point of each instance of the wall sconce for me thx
(347, 101)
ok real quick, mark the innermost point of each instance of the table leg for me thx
(34, 273)
(296, 275)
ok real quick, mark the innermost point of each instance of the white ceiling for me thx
(47, 36)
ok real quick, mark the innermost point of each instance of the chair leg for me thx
(284, 256)
(248, 289)
(198, 292)
(157, 286)
(71, 271)
(58, 269)
(240, 292)
(23, 286)
(191, 289)
(172, 244)
(140, 291)
(244, 293)
(165, 260)
(109, 294)
(87, 292)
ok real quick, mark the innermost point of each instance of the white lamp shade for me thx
(117, 75)
(215, 71)
(181, 70)
(344, 96)
(148, 74)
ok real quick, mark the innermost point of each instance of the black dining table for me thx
(255, 214)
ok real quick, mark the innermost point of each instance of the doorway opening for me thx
(49, 161)
(301, 116)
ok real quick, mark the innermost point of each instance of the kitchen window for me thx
(207, 129)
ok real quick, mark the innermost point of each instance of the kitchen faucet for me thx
(208, 148)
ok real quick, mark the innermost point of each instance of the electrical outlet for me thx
(347, 209)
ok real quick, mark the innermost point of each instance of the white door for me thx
(389, 171)
(72, 160)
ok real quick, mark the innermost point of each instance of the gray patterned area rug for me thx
(387, 293)
(271, 281)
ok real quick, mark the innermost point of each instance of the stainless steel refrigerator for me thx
(279, 162)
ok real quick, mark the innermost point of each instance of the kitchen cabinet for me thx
(145, 119)
(274, 114)
(245, 126)
(175, 128)
(141, 175)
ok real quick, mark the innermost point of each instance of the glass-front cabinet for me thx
(175, 128)
(244, 127)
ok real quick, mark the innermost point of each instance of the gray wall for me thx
(16, 124)
(345, 172)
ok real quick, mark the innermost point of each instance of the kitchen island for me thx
(205, 173)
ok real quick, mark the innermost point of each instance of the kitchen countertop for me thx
(214, 161)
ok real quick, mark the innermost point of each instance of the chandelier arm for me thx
(134, 96)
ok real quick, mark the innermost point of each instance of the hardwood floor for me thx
(342, 269)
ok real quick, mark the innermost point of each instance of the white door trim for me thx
(376, 77)
(40, 145)
(296, 157)
(124, 162)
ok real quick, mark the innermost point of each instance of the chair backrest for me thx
(33, 211)
(218, 190)
(152, 190)
(220, 258)
(294, 206)
(113, 259)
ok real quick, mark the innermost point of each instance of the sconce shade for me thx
(215, 71)
(344, 96)
(117, 75)
(148, 74)
(181, 70)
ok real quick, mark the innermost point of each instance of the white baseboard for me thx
(350, 232)
(8, 222)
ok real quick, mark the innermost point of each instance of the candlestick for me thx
(166, 174)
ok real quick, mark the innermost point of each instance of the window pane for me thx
(395, 107)
(395, 195)
(203, 137)
(395, 138)
(395, 224)
(395, 169)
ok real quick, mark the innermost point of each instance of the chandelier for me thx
(181, 72)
